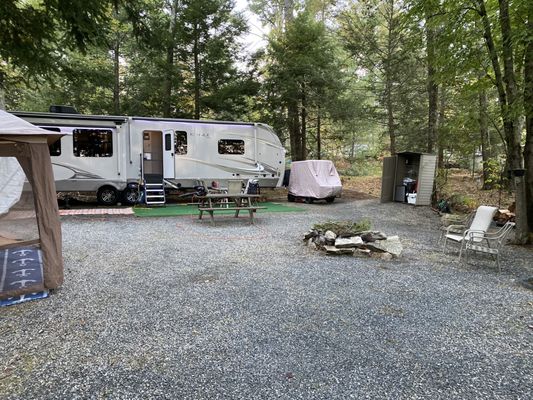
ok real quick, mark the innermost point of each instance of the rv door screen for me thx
(168, 154)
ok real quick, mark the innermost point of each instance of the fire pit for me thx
(352, 238)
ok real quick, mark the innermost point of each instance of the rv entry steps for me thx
(154, 194)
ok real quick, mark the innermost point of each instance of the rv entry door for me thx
(168, 155)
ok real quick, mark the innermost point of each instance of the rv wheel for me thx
(330, 199)
(130, 196)
(308, 200)
(107, 196)
(291, 198)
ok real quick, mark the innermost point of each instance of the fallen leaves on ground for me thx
(459, 186)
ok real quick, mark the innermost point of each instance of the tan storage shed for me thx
(408, 178)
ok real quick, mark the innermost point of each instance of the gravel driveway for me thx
(176, 308)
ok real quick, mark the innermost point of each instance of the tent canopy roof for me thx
(17, 129)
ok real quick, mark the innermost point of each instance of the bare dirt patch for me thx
(461, 183)
(361, 187)
(461, 189)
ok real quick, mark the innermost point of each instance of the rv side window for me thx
(230, 146)
(54, 148)
(92, 142)
(180, 142)
(168, 144)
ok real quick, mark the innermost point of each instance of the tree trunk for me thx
(318, 135)
(169, 69)
(433, 90)
(294, 129)
(528, 108)
(389, 83)
(116, 72)
(440, 124)
(288, 7)
(513, 132)
(484, 134)
(303, 134)
(116, 63)
(2, 91)
(493, 55)
(197, 76)
(510, 87)
(390, 118)
(167, 84)
(293, 116)
(432, 86)
(507, 97)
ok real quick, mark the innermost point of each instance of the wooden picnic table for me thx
(214, 202)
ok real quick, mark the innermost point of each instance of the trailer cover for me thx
(314, 178)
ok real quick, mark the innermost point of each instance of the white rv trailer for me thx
(111, 155)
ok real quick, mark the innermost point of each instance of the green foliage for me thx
(87, 79)
(340, 79)
(343, 228)
(34, 33)
(362, 167)
(492, 174)
(387, 46)
(308, 83)
(207, 49)
(462, 203)
(441, 179)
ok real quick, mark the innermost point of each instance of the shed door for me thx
(168, 154)
(426, 177)
(387, 179)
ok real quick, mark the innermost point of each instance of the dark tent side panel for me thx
(30, 230)
(387, 179)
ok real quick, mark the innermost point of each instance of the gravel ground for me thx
(176, 308)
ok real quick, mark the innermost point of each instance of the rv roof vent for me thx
(63, 109)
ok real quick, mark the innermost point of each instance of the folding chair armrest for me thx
(500, 233)
(454, 228)
(497, 235)
(470, 234)
(494, 235)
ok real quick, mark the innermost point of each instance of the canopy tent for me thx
(11, 183)
(28, 144)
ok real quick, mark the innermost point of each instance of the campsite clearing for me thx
(172, 307)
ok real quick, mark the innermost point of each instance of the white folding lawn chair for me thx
(475, 233)
(460, 223)
(491, 242)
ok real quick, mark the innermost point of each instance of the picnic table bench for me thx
(215, 202)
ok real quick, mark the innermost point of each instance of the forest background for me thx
(347, 80)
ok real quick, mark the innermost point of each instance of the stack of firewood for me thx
(504, 215)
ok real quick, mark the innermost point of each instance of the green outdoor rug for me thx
(183, 209)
